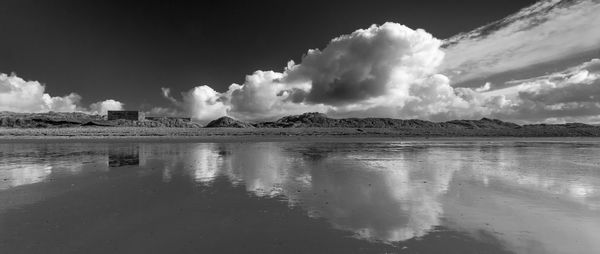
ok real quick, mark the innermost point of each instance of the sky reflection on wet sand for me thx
(498, 197)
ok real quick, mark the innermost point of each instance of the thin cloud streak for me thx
(544, 32)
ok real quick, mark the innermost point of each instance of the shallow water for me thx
(301, 197)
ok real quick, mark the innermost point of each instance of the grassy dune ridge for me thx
(66, 125)
(116, 132)
(77, 119)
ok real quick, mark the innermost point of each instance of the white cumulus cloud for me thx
(202, 102)
(395, 71)
(387, 70)
(102, 107)
(19, 95)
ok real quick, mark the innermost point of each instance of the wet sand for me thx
(300, 197)
(260, 134)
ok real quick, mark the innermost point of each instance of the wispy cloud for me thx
(572, 95)
(547, 31)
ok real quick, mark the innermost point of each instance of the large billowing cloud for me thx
(550, 30)
(368, 64)
(202, 102)
(18, 95)
(387, 70)
(571, 95)
(266, 95)
(394, 71)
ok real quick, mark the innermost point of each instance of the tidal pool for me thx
(527, 196)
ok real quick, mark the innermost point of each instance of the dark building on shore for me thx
(124, 114)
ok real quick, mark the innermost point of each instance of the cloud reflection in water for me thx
(530, 196)
(401, 191)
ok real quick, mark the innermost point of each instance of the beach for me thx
(265, 134)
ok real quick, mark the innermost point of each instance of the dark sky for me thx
(127, 50)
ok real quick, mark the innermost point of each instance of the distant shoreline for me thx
(311, 125)
(273, 134)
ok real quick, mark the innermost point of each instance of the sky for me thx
(434, 60)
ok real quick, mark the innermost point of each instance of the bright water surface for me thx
(301, 197)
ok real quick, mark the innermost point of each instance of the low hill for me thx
(228, 122)
(319, 120)
(306, 121)
(61, 119)
(44, 120)
(481, 127)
